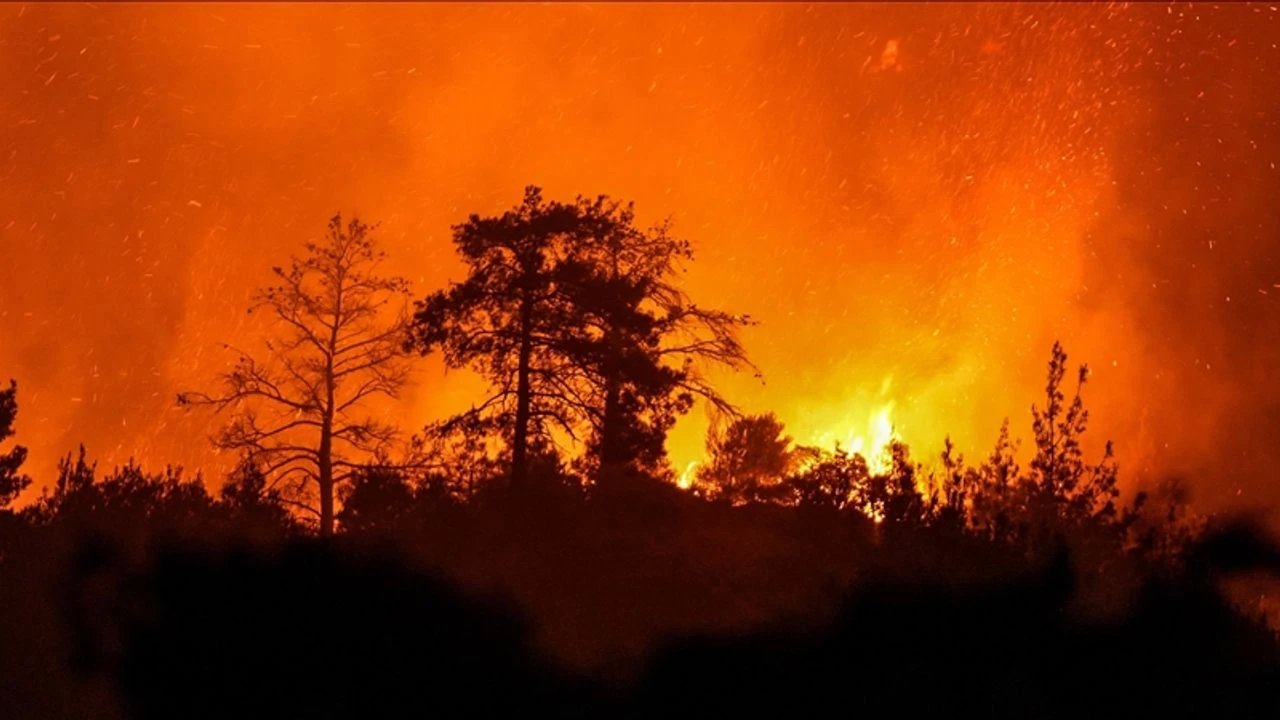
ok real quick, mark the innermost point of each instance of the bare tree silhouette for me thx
(301, 413)
(1060, 476)
(745, 459)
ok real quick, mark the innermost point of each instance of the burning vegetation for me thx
(579, 456)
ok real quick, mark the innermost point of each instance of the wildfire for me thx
(866, 432)
(685, 481)
(872, 442)
(944, 214)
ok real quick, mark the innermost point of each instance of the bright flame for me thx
(685, 481)
(869, 437)
(876, 516)
(873, 444)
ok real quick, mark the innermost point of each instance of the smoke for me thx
(915, 201)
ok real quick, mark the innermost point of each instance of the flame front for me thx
(868, 436)
(688, 475)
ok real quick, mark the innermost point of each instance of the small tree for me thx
(377, 500)
(832, 480)
(464, 453)
(1062, 483)
(894, 495)
(125, 498)
(247, 497)
(301, 413)
(950, 494)
(996, 495)
(12, 481)
(745, 459)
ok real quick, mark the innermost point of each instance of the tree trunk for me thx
(326, 422)
(611, 427)
(520, 435)
(611, 454)
(326, 479)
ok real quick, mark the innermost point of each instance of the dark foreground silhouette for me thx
(203, 623)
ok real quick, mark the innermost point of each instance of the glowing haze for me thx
(914, 201)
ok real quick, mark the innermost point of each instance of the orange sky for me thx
(913, 200)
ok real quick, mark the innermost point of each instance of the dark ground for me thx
(648, 604)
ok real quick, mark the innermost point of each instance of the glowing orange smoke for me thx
(1009, 175)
